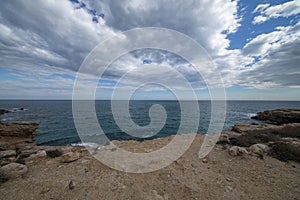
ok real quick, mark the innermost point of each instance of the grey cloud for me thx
(279, 68)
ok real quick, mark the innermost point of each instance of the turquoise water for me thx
(57, 126)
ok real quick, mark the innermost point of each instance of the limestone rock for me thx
(6, 146)
(13, 170)
(5, 161)
(238, 151)
(39, 154)
(26, 153)
(69, 157)
(18, 129)
(259, 148)
(7, 153)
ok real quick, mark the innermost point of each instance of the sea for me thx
(56, 124)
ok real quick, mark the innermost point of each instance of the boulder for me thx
(69, 157)
(238, 151)
(280, 116)
(7, 153)
(259, 148)
(13, 170)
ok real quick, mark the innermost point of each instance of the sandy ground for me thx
(222, 177)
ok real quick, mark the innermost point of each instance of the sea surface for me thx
(57, 125)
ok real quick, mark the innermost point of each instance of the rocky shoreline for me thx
(257, 161)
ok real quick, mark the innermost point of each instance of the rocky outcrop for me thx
(18, 129)
(280, 116)
(279, 141)
(17, 141)
(3, 111)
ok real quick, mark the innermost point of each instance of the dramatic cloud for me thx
(43, 34)
(278, 57)
(45, 42)
(267, 12)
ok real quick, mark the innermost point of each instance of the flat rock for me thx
(13, 170)
(69, 157)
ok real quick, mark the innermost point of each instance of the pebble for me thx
(71, 185)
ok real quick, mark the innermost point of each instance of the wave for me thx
(251, 114)
(88, 144)
(7, 119)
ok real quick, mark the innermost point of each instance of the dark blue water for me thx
(57, 126)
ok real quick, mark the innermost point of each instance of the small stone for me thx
(53, 153)
(7, 153)
(113, 149)
(228, 179)
(13, 170)
(205, 160)
(228, 188)
(69, 157)
(45, 190)
(193, 165)
(71, 185)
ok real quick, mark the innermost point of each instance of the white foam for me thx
(85, 144)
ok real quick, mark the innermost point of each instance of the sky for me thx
(254, 45)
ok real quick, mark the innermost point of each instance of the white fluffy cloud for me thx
(267, 12)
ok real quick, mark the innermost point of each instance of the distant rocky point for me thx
(279, 116)
(3, 111)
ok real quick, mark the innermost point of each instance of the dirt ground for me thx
(220, 176)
